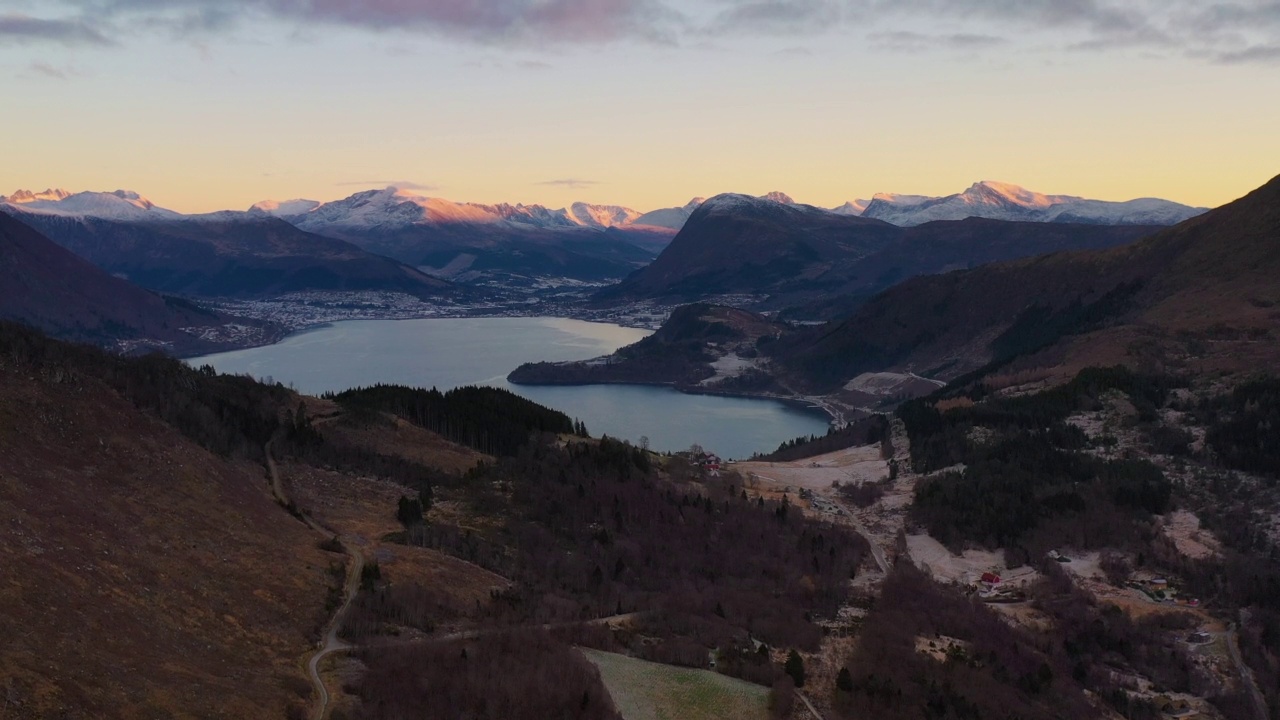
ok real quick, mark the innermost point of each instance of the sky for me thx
(203, 105)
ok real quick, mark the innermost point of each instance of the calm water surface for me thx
(448, 353)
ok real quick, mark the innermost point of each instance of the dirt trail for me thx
(805, 699)
(1246, 673)
(331, 642)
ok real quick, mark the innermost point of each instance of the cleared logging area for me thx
(643, 690)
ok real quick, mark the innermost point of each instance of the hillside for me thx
(699, 344)
(1200, 295)
(469, 251)
(736, 244)
(231, 256)
(64, 295)
(141, 574)
(825, 263)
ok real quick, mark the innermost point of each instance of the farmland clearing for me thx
(643, 690)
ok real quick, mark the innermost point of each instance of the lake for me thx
(451, 352)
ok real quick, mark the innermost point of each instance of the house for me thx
(990, 578)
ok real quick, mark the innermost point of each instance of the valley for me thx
(639, 360)
(1019, 465)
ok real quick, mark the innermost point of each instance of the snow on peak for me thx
(117, 205)
(669, 218)
(901, 200)
(852, 207)
(991, 192)
(601, 216)
(26, 196)
(284, 208)
(733, 202)
(1006, 201)
(778, 197)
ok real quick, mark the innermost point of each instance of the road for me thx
(331, 642)
(877, 552)
(1246, 674)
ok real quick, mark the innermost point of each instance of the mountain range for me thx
(1200, 296)
(62, 294)
(1003, 201)
(786, 255)
(394, 207)
(229, 256)
(470, 241)
(473, 242)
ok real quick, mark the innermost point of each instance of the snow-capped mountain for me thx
(671, 218)
(778, 197)
(282, 208)
(118, 205)
(1004, 201)
(853, 207)
(27, 196)
(601, 216)
(392, 207)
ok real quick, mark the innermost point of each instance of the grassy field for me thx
(650, 691)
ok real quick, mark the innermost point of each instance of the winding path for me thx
(1246, 673)
(331, 643)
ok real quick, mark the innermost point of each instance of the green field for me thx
(649, 691)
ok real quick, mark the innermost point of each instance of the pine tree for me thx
(795, 668)
(844, 681)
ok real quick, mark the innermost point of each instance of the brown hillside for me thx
(140, 575)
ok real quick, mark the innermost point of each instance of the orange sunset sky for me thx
(204, 105)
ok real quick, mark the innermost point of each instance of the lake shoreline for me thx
(797, 402)
(287, 331)
(453, 352)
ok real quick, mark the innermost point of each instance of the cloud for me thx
(1224, 31)
(782, 17)
(398, 184)
(1239, 31)
(486, 21)
(570, 183)
(1254, 54)
(906, 41)
(49, 72)
(23, 29)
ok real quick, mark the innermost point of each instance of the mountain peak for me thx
(852, 207)
(1006, 201)
(993, 192)
(26, 196)
(600, 216)
(284, 208)
(117, 204)
(778, 197)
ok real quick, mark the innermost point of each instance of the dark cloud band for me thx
(19, 28)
